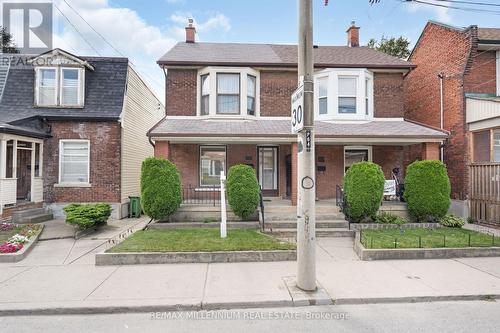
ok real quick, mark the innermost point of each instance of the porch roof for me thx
(392, 128)
(22, 131)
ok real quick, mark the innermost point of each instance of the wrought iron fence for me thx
(339, 196)
(207, 195)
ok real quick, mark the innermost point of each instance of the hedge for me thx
(160, 188)
(363, 191)
(86, 216)
(427, 190)
(242, 190)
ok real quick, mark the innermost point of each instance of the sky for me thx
(144, 30)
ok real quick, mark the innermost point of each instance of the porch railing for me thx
(207, 195)
(484, 192)
(262, 216)
(339, 196)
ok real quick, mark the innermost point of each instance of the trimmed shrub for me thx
(160, 188)
(87, 215)
(427, 190)
(242, 190)
(363, 191)
(452, 221)
(388, 218)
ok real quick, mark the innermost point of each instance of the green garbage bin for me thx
(135, 207)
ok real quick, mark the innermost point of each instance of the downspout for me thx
(441, 112)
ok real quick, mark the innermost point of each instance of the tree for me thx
(7, 41)
(397, 47)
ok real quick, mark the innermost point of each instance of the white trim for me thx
(80, 87)
(66, 184)
(367, 148)
(208, 146)
(37, 86)
(59, 86)
(498, 72)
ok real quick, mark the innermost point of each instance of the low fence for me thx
(484, 192)
(207, 195)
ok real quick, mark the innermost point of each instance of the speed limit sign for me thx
(298, 110)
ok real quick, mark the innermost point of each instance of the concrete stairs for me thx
(281, 222)
(33, 215)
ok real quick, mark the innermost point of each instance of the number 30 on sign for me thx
(298, 110)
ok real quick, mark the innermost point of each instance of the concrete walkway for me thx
(59, 276)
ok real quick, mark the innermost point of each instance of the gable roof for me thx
(104, 92)
(236, 54)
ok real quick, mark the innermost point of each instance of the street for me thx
(478, 316)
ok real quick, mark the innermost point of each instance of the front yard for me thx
(426, 238)
(199, 240)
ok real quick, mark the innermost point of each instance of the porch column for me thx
(294, 189)
(162, 149)
(430, 151)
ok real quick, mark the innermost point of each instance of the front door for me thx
(23, 175)
(268, 170)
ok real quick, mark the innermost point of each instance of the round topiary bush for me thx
(363, 191)
(242, 190)
(160, 188)
(427, 190)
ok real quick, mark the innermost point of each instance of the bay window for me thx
(228, 92)
(212, 162)
(74, 161)
(345, 94)
(59, 86)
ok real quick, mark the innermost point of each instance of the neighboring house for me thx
(229, 103)
(72, 129)
(457, 82)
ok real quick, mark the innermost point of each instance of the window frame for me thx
(327, 79)
(218, 95)
(207, 78)
(212, 77)
(367, 148)
(254, 96)
(76, 184)
(494, 146)
(58, 87)
(355, 96)
(201, 147)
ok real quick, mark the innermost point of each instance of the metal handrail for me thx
(261, 199)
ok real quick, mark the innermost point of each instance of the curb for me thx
(83, 310)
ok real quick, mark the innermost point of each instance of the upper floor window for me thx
(496, 146)
(344, 94)
(59, 86)
(228, 92)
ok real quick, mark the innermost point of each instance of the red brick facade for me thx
(105, 167)
(275, 91)
(446, 51)
(181, 92)
(388, 97)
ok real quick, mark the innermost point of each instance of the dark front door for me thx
(268, 170)
(288, 168)
(23, 174)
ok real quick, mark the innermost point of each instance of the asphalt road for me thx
(472, 316)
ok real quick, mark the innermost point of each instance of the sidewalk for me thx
(59, 276)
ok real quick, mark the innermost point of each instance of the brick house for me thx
(455, 86)
(229, 103)
(72, 129)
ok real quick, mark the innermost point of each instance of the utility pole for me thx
(306, 208)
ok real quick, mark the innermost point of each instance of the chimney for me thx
(353, 35)
(190, 32)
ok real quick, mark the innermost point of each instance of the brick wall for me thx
(181, 92)
(481, 77)
(275, 91)
(388, 95)
(331, 157)
(442, 50)
(390, 157)
(185, 157)
(105, 167)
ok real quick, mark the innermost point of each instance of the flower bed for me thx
(13, 237)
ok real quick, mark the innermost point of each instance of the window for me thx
(367, 96)
(496, 146)
(323, 95)
(251, 89)
(212, 162)
(228, 93)
(69, 86)
(354, 155)
(205, 95)
(37, 160)
(60, 86)
(74, 161)
(347, 94)
(9, 172)
(47, 87)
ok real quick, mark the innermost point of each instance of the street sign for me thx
(298, 110)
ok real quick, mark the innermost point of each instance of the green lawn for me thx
(5, 235)
(198, 240)
(426, 238)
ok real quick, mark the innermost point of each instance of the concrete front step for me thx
(291, 217)
(334, 224)
(325, 232)
(32, 215)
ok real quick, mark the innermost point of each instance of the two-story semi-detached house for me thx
(456, 86)
(229, 103)
(72, 129)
